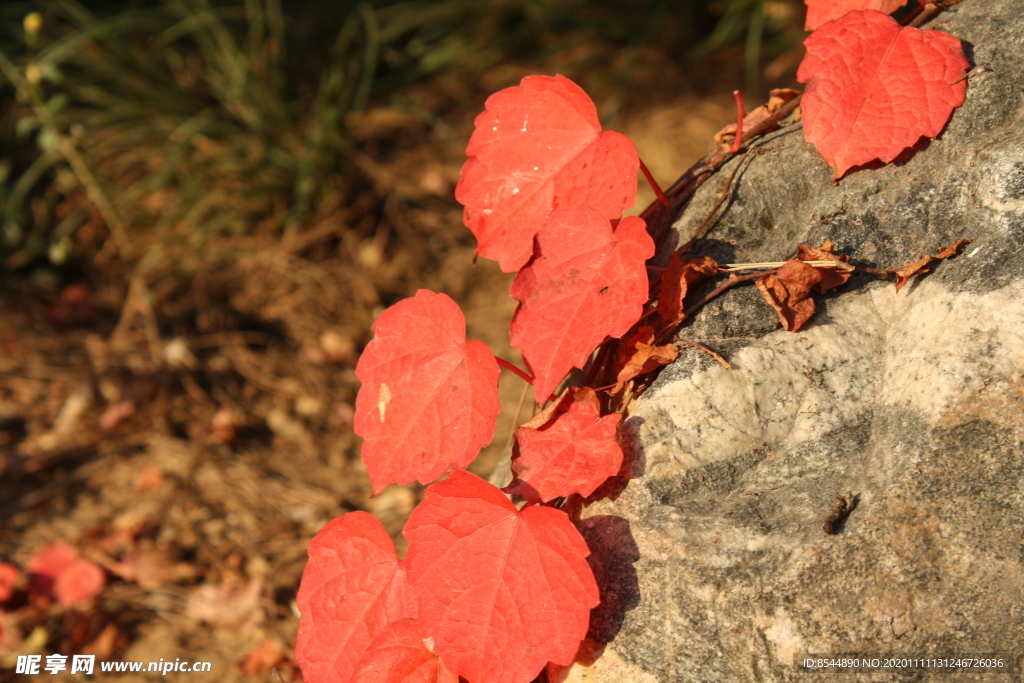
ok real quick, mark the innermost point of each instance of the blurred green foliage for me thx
(180, 120)
(766, 28)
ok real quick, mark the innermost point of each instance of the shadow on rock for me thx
(613, 552)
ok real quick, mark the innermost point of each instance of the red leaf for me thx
(823, 11)
(429, 400)
(501, 592)
(351, 589)
(400, 655)
(539, 147)
(788, 291)
(568, 448)
(585, 283)
(875, 88)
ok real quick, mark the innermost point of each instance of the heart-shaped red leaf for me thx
(353, 587)
(538, 147)
(585, 283)
(400, 655)
(429, 399)
(876, 88)
(501, 592)
(823, 11)
(568, 448)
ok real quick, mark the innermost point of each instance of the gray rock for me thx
(911, 401)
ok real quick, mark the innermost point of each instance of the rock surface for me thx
(713, 560)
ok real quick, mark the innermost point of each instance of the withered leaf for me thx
(788, 292)
(953, 249)
(675, 281)
(569, 396)
(627, 347)
(806, 252)
(830, 277)
(919, 267)
(911, 269)
(645, 358)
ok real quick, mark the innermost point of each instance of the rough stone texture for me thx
(713, 559)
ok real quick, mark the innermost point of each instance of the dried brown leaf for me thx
(830, 277)
(953, 249)
(138, 393)
(788, 291)
(627, 347)
(645, 359)
(911, 269)
(675, 282)
(919, 267)
(74, 308)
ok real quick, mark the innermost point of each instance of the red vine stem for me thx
(913, 15)
(738, 140)
(514, 370)
(662, 199)
(519, 373)
(660, 217)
